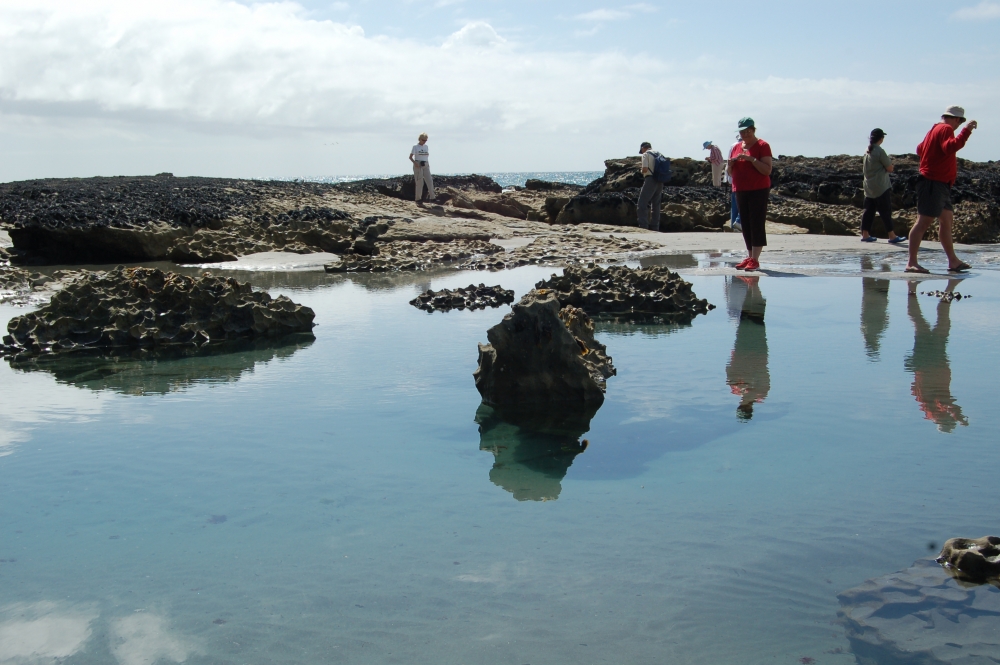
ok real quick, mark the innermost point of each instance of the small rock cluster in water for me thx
(149, 308)
(946, 296)
(621, 290)
(469, 297)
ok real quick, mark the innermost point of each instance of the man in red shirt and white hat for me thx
(938, 169)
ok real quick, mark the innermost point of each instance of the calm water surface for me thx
(336, 501)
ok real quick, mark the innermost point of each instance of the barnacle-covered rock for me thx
(639, 293)
(468, 297)
(149, 308)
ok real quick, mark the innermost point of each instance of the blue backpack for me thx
(661, 170)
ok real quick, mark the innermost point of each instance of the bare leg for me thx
(945, 220)
(755, 252)
(916, 235)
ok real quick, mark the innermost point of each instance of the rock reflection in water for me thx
(928, 362)
(746, 373)
(532, 450)
(148, 372)
(874, 308)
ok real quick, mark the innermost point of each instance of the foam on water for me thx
(331, 503)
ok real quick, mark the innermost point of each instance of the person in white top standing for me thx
(715, 159)
(420, 156)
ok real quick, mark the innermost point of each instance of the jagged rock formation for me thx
(532, 448)
(566, 249)
(468, 297)
(922, 616)
(638, 293)
(404, 255)
(975, 561)
(543, 354)
(403, 187)
(148, 308)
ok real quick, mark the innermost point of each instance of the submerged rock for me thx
(468, 297)
(922, 616)
(543, 354)
(976, 561)
(143, 307)
(641, 293)
(532, 448)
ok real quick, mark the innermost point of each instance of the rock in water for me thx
(641, 293)
(468, 297)
(148, 308)
(922, 616)
(542, 354)
(973, 561)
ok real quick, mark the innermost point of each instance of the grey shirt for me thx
(876, 177)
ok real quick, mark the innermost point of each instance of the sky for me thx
(318, 88)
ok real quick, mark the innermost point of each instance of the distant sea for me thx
(510, 179)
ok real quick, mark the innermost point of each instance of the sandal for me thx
(917, 269)
(961, 267)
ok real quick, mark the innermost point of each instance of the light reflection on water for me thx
(376, 513)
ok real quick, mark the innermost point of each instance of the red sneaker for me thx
(743, 264)
(752, 264)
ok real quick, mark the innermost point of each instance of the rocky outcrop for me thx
(541, 355)
(403, 255)
(643, 293)
(544, 185)
(470, 297)
(922, 616)
(532, 448)
(147, 308)
(974, 561)
(403, 187)
(683, 209)
(566, 249)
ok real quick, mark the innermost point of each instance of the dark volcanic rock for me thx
(540, 185)
(404, 255)
(469, 297)
(148, 308)
(625, 173)
(543, 355)
(922, 616)
(640, 293)
(976, 561)
(402, 187)
(684, 209)
(532, 448)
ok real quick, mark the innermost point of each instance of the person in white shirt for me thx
(715, 159)
(420, 156)
(652, 190)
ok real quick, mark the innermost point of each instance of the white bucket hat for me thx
(955, 112)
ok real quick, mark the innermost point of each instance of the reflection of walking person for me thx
(929, 364)
(750, 167)
(651, 193)
(938, 169)
(420, 156)
(747, 374)
(878, 189)
(874, 308)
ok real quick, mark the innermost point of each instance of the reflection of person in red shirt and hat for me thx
(747, 374)
(929, 364)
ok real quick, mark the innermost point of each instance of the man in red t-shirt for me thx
(750, 171)
(938, 169)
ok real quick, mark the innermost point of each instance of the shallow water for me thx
(336, 501)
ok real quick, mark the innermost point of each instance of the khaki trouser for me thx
(717, 173)
(422, 174)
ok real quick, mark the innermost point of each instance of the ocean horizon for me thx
(504, 179)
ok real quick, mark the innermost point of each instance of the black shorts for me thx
(933, 196)
(753, 214)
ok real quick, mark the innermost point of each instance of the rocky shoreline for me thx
(374, 225)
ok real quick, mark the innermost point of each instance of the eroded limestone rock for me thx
(976, 561)
(405, 255)
(640, 293)
(468, 297)
(149, 308)
(543, 354)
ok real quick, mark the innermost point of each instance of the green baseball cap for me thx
(746, 123)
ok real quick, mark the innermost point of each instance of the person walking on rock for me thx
(878, 189)
(938, 169)
(750, 168)
(651, 193)
(420, 156)
(715, 159)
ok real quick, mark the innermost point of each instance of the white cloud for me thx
(601, 15)
(984, 11)
(476, 35)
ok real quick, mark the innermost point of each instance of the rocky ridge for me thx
(129, 308)
(468, 297)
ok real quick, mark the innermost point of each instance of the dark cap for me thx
(645, 144)
(746, 123)
(877, 134)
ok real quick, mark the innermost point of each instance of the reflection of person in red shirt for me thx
(929, 364)
(747, 374)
